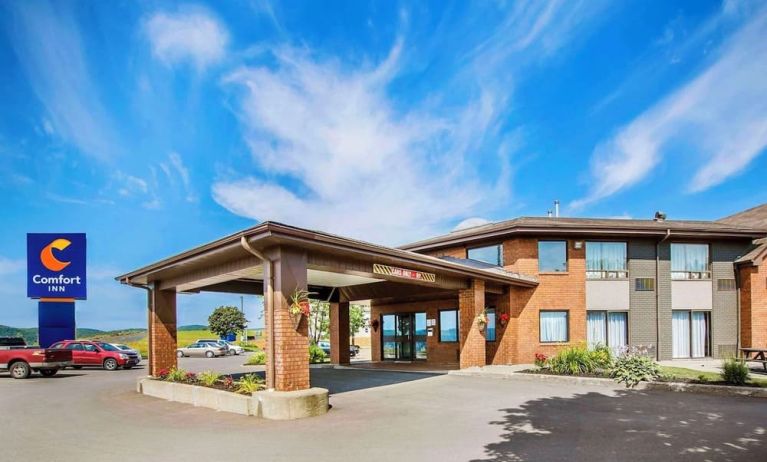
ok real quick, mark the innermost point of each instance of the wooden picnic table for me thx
(755, 355)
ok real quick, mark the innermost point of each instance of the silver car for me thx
(128, 350)
(209, 350)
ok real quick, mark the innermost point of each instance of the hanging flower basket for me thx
(299, 307)
(503, 319)
(482, 320)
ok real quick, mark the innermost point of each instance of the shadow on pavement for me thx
(632, 425)
(343, 380)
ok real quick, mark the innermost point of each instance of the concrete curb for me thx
(219, 400)
(274, 405)
(719, 390)
(539, 378)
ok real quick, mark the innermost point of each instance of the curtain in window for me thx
(617, 331)
(490, 333)
(689, 257)
(680, 333)
(605, 256)
(595, 328)
(699, 334)
(553, 326)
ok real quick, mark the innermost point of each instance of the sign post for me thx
(56, 276)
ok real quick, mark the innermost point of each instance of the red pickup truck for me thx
(21, 360)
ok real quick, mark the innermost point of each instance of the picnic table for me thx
(754, 355)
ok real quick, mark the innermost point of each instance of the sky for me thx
(157, 126)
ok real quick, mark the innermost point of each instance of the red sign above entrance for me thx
(404, 273)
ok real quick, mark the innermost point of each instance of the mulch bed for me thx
(549, 372)
(659, 379)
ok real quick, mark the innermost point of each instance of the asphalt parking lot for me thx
(94, 415)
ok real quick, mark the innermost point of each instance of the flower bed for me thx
(246, 385)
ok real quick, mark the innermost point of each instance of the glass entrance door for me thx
(404, 336)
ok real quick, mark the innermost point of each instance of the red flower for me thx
(190, 376)
(162, 373)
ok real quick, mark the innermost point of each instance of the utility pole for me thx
(244, 335)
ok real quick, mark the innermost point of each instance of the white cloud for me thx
(721, 116)
(191, 35)
(336, 152)
(178, 164)
(471, 223)
(48, 44)
(354, 165)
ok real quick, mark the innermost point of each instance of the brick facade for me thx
(162, 330)
(753, 302)
(438, 353)
(471, 303)
(339, 333)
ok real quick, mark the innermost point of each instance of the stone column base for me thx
(290, 405)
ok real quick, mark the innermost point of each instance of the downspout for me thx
(657, 293)
(269, 297)
(149, 301)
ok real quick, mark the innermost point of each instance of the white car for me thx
(236, 349)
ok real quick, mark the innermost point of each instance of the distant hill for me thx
(29, 334)
(193, 327)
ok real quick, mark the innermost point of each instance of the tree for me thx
(319, 320)
(226, 320)
(357, 319)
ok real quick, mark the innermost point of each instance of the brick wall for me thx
(753, 303)
(724, 315)
(471, 303)
(162, 331)
(438, 353)
(642, 313)
(566, 291)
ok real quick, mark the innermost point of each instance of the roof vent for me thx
(660, 216)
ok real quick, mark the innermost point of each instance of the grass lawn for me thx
(692, 374)
(184, 337)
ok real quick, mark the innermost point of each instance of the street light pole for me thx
(244, 335)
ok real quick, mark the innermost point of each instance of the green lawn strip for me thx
(683, 373)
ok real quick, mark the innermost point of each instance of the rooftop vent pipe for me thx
(660, 216)
(556, 209)
(549, 214)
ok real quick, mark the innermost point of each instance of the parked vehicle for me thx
(128, 350)
(236, 349)
(354, 350)
(207, 349)
(21, 360)
(97, 354)
(222, 343)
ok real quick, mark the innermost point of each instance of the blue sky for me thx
(155, 126)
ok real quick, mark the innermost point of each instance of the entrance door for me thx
(691, 334)
(404, 336)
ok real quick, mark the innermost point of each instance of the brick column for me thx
(162, 330)
(339, 333)
(471, 302)
(291, 346)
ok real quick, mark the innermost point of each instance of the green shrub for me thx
(250, 383)
(256, 359)
(631, 369)
(176, 375)
(735, 371)
(602, 356)
(208, 378)
(316, 354)
(572, 361)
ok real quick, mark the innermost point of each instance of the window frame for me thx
(567, 326)
(607, 324)
(605, 274)
(567, 256)
(500, 253)
(457, 326)
(638, 289)
(701, 275)
(487, 328)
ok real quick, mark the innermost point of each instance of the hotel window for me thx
(689, 261)
(552, 256)
(448, 326)
(606, 260)
(607, 328)
(553, 326)
(492, 254)
(690, 334)
(490, 329)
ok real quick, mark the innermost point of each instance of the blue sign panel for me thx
(56, 266)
